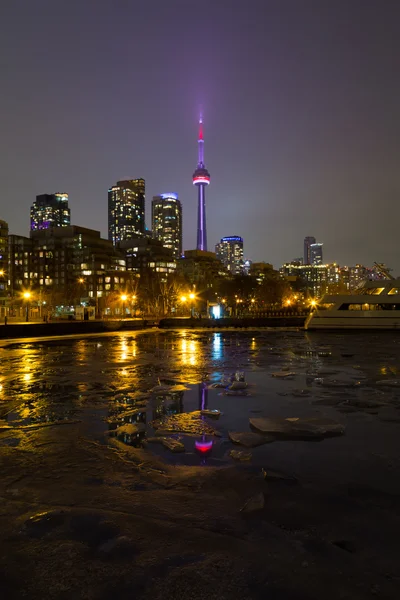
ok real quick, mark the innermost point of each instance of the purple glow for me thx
(203, 396)
(201, 220)
(203, 446)
(201, 178)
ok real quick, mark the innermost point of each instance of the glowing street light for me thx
(313, 303)
(191, 296)
(124, 298)
(26, 296)
(183, 298)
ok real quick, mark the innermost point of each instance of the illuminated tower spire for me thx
(201, 178)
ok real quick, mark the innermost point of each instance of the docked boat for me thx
(374, 305)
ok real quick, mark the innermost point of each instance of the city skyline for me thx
(301, 119)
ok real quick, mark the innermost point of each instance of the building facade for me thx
(4, 269)
(126, 210)
(144, 253)
(64, 266)
(3, 257)
(311, 280)
(50, 210)
(201, 268)
(316, 254)
(308, 241)
(166, 222)
(230, 252)
(20, 272)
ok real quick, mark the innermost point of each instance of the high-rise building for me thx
(230, 252)
(3, 257)
(316, 254)
(20, 273)
(307, 250)
(166, 222)
(201, 178)
(126, 210)
(247, 266)
(50, 210)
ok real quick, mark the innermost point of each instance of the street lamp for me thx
(192, 297)
(27, 297)
(133, 302)
(124, 298)
(183, 299)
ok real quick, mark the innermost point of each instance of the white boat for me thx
(374, 305)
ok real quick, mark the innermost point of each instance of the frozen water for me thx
(134, 385)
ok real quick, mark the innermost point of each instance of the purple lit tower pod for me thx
(203, 446)
(201, 178)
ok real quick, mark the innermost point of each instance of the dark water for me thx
(115, 379)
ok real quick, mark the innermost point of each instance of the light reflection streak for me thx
(217, 347)
(124, 350)
(81, 350)
(189, 352)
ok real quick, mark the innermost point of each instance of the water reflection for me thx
(109, 378)
(189, 350)
(167, 404)
(123, 350)
(127, 419)
(81, 350)
(217, 347)
(204, 444)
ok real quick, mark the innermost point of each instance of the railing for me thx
(273, 313)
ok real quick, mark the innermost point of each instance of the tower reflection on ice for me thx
(203, 446)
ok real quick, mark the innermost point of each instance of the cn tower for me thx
(201, 178)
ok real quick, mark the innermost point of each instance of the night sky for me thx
(300, 99)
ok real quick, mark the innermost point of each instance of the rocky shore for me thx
(83, 520)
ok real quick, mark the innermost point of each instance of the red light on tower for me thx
(203, 446)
